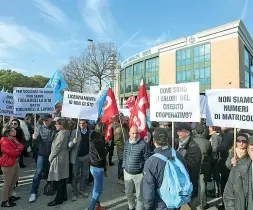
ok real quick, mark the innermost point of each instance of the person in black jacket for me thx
(97, 163)
(43, 139)
(191, 152)
(223, 149)
(136, 152)
(154, 170)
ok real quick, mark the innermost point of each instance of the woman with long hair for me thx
(59, 161)
(11, 150)
(97, 164)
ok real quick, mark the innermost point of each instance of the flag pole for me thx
(77, 127)
(122, 129)
(172, 135)
(3, 120)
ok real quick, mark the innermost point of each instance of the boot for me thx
(99, 207)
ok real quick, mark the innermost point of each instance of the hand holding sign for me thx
(75, 140)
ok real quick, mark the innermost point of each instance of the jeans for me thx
(131, 181)
(42, 164)
(82, 163)
(202, 191)
(98, 174)
(120, 170)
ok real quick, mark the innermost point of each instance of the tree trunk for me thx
(100, 84)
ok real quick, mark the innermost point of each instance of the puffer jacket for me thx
(135, 155)
(236, 194)
(11, 150)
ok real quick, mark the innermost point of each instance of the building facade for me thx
(220, 57)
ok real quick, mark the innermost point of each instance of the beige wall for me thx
(167, 73)
(225, 63)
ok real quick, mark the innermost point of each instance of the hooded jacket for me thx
(97, 150)
(11, 150)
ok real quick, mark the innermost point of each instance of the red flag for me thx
(138, 116)
(110, 110)
(130, 102)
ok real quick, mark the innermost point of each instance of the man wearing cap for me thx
(238, 192)
(191, 152)
(154, 171)
(43, 139)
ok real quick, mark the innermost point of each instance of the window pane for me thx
(208, 81)
(182, 62)
(196, 51)
(122, 75)
(207, 49)
(188, 75)
(196, 60)
(207, 58)
(178, 76)
(188, 61)
(196, 74)
(178, 55)
(246, 76)
(202, 73)
(202, 50)
(207, 72)
(183, 75)
(178, 63)
(183, 54)
(156, 80)
(201, 59)
(188, 53)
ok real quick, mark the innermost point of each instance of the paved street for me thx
(112, 197)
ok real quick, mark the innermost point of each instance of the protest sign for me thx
(230, 108)
(177, 103)
(80, 105)
(33, 100)
(7, 105)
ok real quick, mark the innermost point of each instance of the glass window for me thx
(139, 69)
(196, 74)
(201, 59)
(207, 49)
(196, 51)
(207, 72)
(207, 58)
(152, 65)
(122, 87)
(188, 75)
(188, 53)
(183, 54)
(202, 73)
(188, 61)
(136, 85)
(129, 72)
(179, 79)
(178, 63)
(202, 50)
(156, 80)
(246, 76)
(128, 88)
(178, 55)
(196, 59)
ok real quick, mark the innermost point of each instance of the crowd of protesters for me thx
(65, 150)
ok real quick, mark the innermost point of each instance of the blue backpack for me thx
(176, 187)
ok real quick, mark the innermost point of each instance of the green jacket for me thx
(119, 139)
(237, 195)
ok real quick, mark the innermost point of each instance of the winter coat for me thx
(98, 151)
(59, 157)
(11, 150)
(74, 148)
(119, 139)
(230, 156)
(153, 178)
(238, 190)
(44, 139)
(192, 155)
(215, 140)
(206, 151)
(135, 155)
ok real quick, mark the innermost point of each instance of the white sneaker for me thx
(32, 198)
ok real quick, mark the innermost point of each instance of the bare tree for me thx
(75, 75)
(97, 64)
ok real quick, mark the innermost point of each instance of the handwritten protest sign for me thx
(33, 100)
(80, 105)
(177, 103)
(7, 105)
(230, 108)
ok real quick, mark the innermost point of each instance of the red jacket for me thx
(10, 151)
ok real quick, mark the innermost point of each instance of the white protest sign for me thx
(175, 103)
(7, 106)
(231, 108)
(80, 105)
(33, 100)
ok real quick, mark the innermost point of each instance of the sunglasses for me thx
(14, 123)
(241, 141)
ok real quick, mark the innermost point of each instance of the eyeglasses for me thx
(14, 123)
(241, 141)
